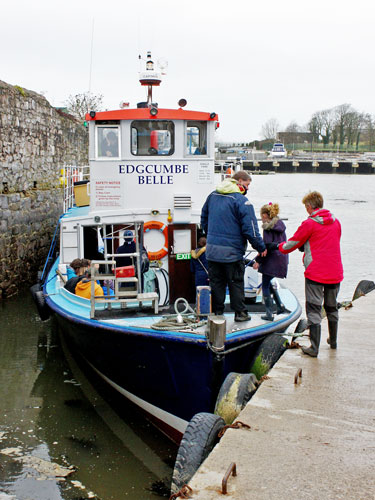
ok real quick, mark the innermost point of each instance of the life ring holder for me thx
(154, 224)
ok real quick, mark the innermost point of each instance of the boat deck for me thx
(132, 317)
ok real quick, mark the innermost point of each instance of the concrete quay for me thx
(314, 439)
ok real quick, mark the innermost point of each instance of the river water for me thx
(50, 410)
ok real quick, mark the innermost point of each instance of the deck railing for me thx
(70, 175)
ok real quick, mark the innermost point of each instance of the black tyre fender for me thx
(40, 302)
(235, 392)
(266, 354)
(198, 440)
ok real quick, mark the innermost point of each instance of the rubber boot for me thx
(280, 306)
(332, 330)
(313, 350)
(269, 308)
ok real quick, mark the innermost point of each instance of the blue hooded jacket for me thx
(229, 221)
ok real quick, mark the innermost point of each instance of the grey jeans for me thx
(318, 294)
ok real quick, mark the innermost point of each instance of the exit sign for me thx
(183, 256)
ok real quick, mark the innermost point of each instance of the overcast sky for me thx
(247, 61)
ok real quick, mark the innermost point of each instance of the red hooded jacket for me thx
(320, 235)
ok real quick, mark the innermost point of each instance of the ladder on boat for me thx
(122, 298)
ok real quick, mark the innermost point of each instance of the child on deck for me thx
(198, 263)
(274, 264)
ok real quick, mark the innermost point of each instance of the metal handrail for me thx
(72, 174)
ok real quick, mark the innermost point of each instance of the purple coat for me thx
(275, 264)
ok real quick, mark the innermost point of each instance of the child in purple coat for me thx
(275, 264)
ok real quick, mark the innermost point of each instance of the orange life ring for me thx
(154, 224)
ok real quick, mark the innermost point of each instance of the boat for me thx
(153, 338)
(278, 150)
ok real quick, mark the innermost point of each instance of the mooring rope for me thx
(181, 320)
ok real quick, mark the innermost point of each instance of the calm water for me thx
(350, 198)
(46, 413)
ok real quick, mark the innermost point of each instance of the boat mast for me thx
(149, 78)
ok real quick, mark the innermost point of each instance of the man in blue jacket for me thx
(229, 221)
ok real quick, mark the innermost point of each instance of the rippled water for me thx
(45, 412)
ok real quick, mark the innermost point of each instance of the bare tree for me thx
(315, 125)
(369, 130)
(293, 127)
(342, 116)
(328, 122)
(270, 129)
(292, 131)
(80, 104)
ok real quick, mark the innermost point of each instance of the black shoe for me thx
(242, 316)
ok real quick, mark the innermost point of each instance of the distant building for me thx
(295, 137)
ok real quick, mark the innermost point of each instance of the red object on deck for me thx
(125, 272)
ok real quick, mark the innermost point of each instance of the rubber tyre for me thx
(234, 394)
(267, 353)
(40, 302)
(199, 438)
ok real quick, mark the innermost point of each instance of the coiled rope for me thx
(182, 320)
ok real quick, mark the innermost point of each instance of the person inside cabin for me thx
(128, 247)
(198, 263)
(110, 145)
(79, 267)
(83, 287)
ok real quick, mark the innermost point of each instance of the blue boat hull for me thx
(171, 376)
(176, 376)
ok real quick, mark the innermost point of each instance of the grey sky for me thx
(248, 61)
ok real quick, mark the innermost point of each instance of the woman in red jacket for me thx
(319, 237)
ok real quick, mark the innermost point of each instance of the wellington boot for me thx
(332, 330)
(281, 309)
(313, 350)
(269, 308)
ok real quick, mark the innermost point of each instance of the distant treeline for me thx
(341, 127)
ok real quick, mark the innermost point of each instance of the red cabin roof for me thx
(144, 114)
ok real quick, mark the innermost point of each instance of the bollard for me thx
(217, 327)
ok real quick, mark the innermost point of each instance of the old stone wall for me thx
(27, 224)
(36, 141)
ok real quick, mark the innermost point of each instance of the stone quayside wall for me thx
(36, 141)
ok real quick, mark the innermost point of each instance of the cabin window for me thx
(108, 141)
(196, 138)
(152, 137)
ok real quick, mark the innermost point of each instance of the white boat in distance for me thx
(278, 150)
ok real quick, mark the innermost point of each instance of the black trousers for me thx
(223, 274)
